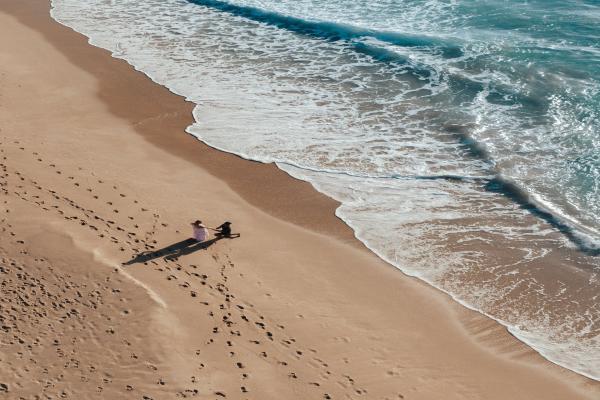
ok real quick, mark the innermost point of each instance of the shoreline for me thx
(175, 115)
(314, 211)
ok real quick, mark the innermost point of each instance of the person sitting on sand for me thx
(200, 231)
(224, 230)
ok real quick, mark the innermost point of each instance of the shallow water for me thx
(461, 138)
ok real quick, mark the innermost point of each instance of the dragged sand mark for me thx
(107, 383)
(117, 267)
(84, 219)
(80, 332)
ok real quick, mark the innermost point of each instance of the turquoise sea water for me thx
(520, 78)
(462, 138)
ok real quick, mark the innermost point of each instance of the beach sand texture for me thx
(103, 295)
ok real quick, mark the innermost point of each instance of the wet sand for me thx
(103, 295)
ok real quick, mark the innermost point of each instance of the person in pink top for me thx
(200, 231)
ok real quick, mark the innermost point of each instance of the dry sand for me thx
(96, 168)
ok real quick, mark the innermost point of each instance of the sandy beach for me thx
(104, 296)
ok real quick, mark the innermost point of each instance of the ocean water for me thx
(462, 138)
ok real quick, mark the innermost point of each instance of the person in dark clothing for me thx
(224, 230)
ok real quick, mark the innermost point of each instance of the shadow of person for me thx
(172, 251)
(220, 235)
(191, 249)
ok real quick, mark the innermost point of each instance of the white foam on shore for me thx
(310, 105)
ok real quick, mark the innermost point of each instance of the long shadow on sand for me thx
(173, 251)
